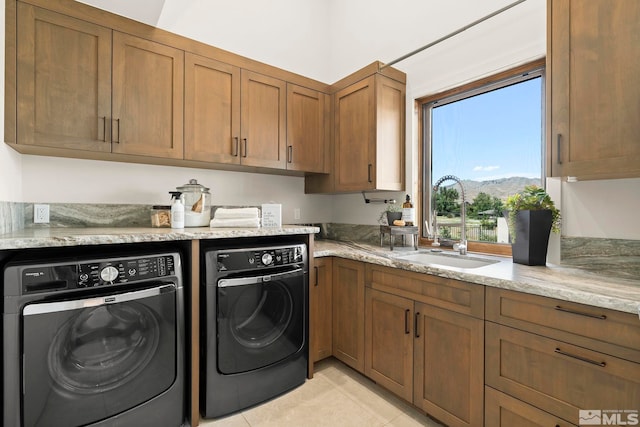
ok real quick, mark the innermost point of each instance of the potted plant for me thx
(531, 215)
(391, 213)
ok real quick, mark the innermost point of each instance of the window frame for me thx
(451, 95)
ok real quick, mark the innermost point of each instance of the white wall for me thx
(326, 40)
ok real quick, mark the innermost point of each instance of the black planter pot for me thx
(532, 237)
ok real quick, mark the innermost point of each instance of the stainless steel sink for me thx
(446, 260)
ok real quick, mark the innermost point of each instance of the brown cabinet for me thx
(64, 84)
(321, 309)
(263, 118)
(502, 410)
(147, 90)
(424, 342)
(389, 342)
(561, 357)
(348, 312)
(369, 134)
(308, 129)
(593, 63)
(211, 110)
(85, 87)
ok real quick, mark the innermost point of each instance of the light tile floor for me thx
(336, 396)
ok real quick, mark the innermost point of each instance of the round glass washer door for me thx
(103, 348)
(261, 315)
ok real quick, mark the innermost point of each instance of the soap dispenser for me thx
(177, 210)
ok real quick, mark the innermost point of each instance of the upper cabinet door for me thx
(594, 65)
(64, 81)
(263, 124)
(211, 111)
(307, 145)
(355, 136)
(148, 88)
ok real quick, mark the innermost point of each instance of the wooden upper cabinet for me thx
(369, 134)
(594, 63)
(64, 81)
(211, 110)
(148, 88)
(263, 135)
(307, 116)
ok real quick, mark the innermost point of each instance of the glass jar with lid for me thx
(197, 204)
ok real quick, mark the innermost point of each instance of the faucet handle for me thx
(461, 247)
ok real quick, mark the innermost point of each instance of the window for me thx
(489, 135)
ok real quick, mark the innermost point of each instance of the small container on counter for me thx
(161, 216)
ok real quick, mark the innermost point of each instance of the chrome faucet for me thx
(462, 245)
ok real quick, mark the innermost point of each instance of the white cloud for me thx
(485, 168)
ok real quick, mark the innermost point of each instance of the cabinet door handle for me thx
(235, 146)
(316, 270)
(244, 145)
(417, 322)
(583, 359)
(558, 145)
(581, 313)
(117, 141)
(369, 172)
(290, 154)
(104, 129)
(406, 321)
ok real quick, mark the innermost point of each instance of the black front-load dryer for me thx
(94, 341)
(254, 327)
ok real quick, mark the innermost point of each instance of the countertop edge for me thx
(563, 283)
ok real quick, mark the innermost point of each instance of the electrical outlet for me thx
(296, 213)
(41, 214)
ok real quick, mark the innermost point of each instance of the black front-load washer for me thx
(94, 341)
(254, 342)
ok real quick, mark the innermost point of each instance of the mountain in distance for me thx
(500, 188)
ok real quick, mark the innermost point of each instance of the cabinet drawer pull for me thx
(559, 152)
(235, 146)
(316, 269)
(417, 322)
(290, 154)
(583, 359)
(369, 172)
(406, 321)
(581, 313)
(244, 144)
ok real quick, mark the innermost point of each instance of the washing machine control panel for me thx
(95, 273)
(250, 259)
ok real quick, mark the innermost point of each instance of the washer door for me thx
(87, 360)
(260, 320)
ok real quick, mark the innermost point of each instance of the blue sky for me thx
(490, 136)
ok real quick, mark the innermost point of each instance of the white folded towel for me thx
(235, 223)
(237, 213)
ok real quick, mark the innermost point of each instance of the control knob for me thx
(109, 274)
(267, 258)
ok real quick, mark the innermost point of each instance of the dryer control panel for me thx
(257, 258)
(89, 274)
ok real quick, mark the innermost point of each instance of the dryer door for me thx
(86, 360)
(260, 320)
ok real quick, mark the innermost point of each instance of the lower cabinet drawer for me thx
(557, 377)
(502, 410)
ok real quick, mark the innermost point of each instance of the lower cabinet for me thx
(348, 312)
(320, 308)
(428, 355)
(502, 410)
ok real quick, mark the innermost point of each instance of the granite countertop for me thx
(557, 281)
(55, 237)
(574, 283)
